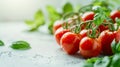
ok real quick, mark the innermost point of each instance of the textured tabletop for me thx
(44, 52)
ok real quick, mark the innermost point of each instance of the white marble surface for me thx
(44, 53)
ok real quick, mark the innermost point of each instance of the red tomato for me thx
(115, 14)
(85, 17)
(102, 28)
(106, 38)
(57, 25)
(89, 47)
(83, 33)
(88, 16)
(59, 33)
(70, 42)
(117, 35)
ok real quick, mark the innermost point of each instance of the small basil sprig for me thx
(115, 46)
(107, 61)
(53, 15)
(38, 21)
(1, 43)
(101, 14)
(20, 45)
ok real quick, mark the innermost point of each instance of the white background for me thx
(19, 10)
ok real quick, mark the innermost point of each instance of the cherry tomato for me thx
(83, 33)
(115, 14)
(89, 47)
(88, 16)
(70, 42)
(85, 17)
(57, 25)
(106, 37)
(59, 33)
(102, 28)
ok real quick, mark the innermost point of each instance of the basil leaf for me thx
(115, 61)
(118, 47)
(39, 14)
(76, 9)
(101, 3)
(53, 16)
(38, 21)
(29, 22)
(67, 8)
(103, 62)
(52, 13)
(113, 46)
(86, 64)
(99, 18)
(101, 14)
(37, 24)
(50, 27)
(93, 60)
(117, 21)
(89, 62)
(107, 61)
(20, 45)
(1, 43)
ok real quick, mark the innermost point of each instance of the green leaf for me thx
(20, 45)
(118, 47)
(86, 64)
(39, 15)
(99, 18)
(113, 46)
(117, 21)
(101, 14)
(68, 8)
(89, 62)
(115, 61)
(1, 43)
(38, 21)
(53, 16)
(29, 22)
(77, 8)
(50, 27)
(107, 61)
(101, 3)
(103, 62)
(93, 60)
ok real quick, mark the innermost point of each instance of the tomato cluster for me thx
(87, 46)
